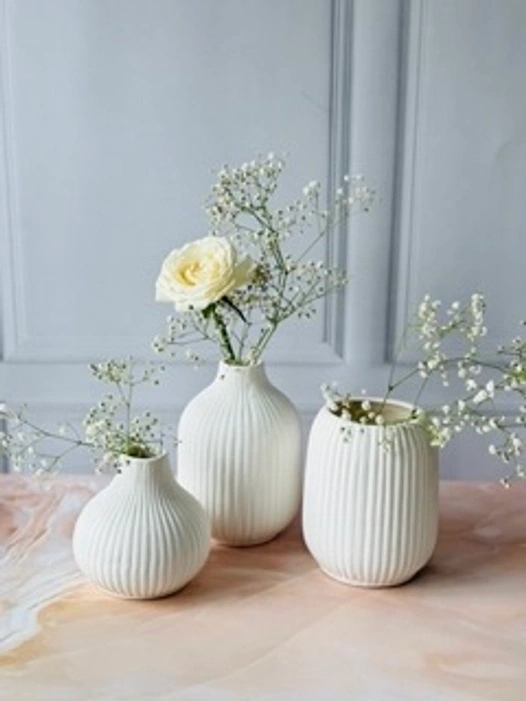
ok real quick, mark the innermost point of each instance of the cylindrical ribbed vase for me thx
(143, 536)
(239, 454)
(370, 508)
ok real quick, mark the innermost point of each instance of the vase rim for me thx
(223, 365)
(394, 403)
(128, 459)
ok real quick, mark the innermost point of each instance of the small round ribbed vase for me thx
(370, 507)
(143, 536)
(239, 454)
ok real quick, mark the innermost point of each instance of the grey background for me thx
(114, 113)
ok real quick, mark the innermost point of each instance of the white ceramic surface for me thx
(370, 512)
(143, 536)
(239, 454)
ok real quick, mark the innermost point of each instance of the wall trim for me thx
(409, 136)
(13, 328)
(340, 86)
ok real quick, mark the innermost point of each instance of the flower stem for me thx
(264, 341)
(224, 338)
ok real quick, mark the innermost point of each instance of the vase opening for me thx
(128, 465)
(392, 411)
(143, 460)
(240, 366)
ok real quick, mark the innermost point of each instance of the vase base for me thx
(369, 585)
(245, 543)
(128, 597)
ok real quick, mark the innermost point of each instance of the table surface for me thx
(264, 623)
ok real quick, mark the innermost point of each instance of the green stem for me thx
(442, 366)
(264, 341)
(420, 392)
(265, 223)
(224, 338)
(48, 434)
(56, 460)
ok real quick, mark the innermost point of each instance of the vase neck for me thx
(145, 472)
(242, 374)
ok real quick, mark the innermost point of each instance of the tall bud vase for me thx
(370, 507)
(239, 454)
(143, 536)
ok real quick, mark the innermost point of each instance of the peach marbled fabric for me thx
(264, 623)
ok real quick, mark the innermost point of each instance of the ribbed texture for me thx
(239, 454)
(143, 536)
(370, 514)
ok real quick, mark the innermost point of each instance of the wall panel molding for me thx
(364, 42)
(476, 142)
(21, 346)
(12, 315)
(416, 86)
(340, 83)
(405, 250)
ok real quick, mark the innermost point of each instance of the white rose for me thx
(200, 273)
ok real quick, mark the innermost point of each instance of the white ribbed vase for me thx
(239, 454)
(143, 536)
(370, 507)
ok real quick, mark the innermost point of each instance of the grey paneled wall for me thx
(117, 111)
(463, 218)
(114, 112)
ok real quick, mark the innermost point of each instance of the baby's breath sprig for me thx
(283, 284)
(481, 383)
(110, 428)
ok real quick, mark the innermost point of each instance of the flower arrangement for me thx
(480, 382)
(236, 286)
(110, 429)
